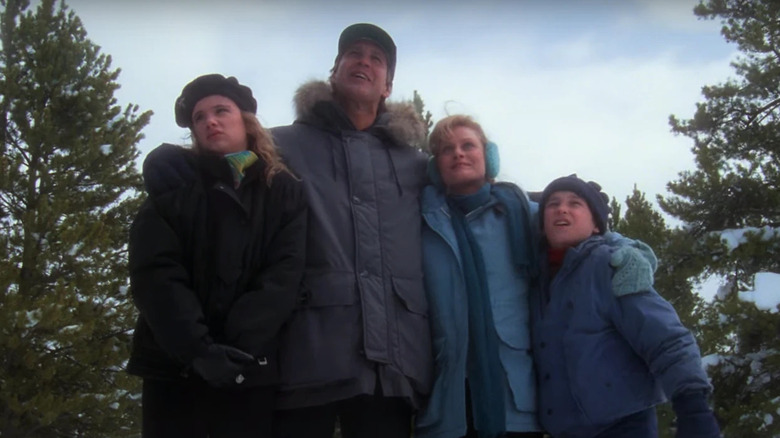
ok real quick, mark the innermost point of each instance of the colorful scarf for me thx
(239, 162)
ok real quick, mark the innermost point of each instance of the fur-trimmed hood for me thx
(400, 121)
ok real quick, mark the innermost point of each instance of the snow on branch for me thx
(736, 237)
(766, 292)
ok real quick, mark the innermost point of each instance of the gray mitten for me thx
(634, 268)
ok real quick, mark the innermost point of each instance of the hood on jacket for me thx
(401, 121)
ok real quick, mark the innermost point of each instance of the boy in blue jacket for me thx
(605, 360)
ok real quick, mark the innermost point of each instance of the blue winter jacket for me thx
(445, 413)
(600, 357)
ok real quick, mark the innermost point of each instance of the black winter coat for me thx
(211, 263)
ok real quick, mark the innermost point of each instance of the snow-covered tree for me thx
(68, 190)
(735, 188)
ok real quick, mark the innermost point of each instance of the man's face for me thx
(361, 74)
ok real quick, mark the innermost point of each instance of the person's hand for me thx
(168, 167)
(221, 365)
(695, 419)
(633, 270)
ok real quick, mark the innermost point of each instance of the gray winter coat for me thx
(362, 313)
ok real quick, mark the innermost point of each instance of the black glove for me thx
(168, 167)
(221, 366)
(695, 419)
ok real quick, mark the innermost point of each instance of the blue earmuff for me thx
(492, 165)
(492, 161)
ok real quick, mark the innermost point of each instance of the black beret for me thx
(209, 85)
(590, 191)
(373, 33)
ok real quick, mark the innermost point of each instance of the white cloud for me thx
(607, 121)
(675, 14)
(560, 87)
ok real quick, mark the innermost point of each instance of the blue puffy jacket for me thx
(600, 357)
(445, 413)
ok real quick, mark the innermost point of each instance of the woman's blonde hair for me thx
(445, 126)
(259, 141)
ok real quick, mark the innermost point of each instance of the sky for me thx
(562, 86)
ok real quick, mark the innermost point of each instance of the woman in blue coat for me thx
(479, 259)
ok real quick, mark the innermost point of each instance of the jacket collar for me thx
(433, 200)
(217, 167)
(576, 254)
(315, 105)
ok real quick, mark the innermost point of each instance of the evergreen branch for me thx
(115, 334)
(64, 349)
(12, 203)
(771, 105)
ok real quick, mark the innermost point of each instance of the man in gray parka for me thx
(358, 347)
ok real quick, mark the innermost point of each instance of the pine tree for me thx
(425, 116)
(736, 185)
(68, 190)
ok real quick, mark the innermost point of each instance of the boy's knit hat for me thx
(590, 191)
(208, 85)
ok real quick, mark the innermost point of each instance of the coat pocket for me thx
(414, 332)
(320, 342)
(519, 368)
(515, 354)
